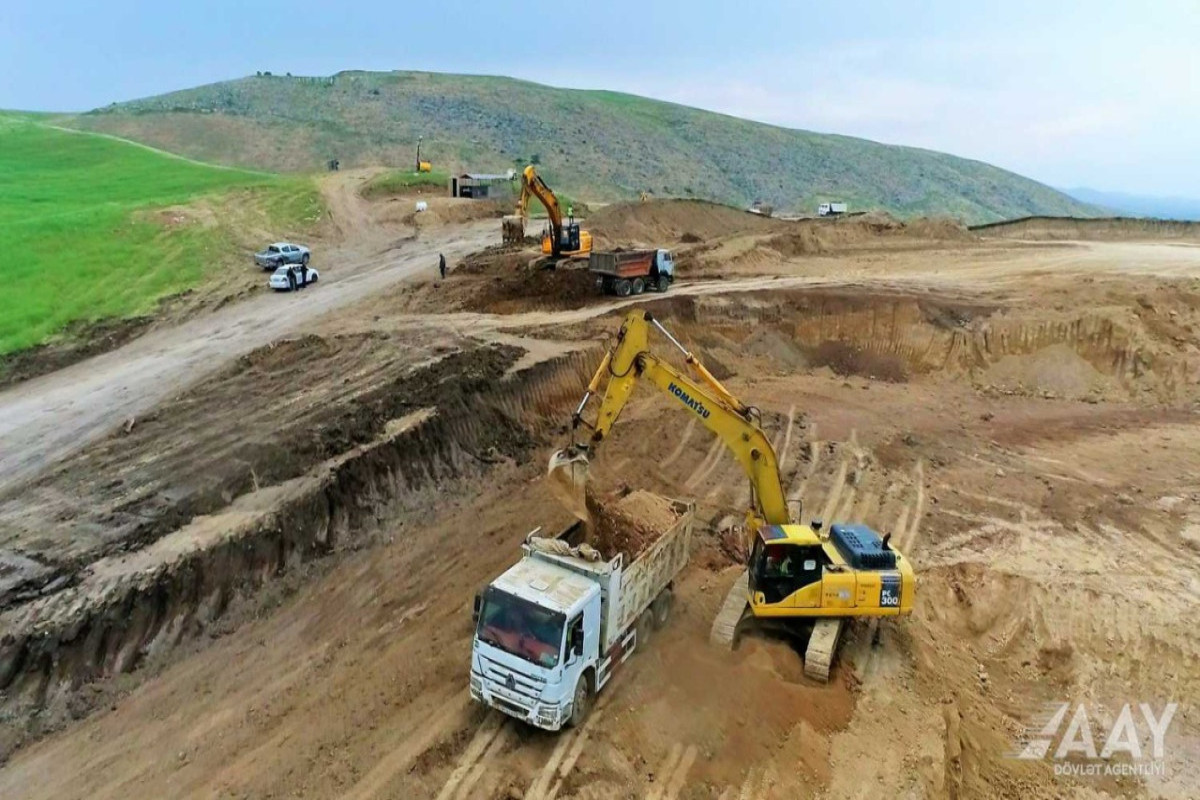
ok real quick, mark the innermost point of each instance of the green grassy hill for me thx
(595, 145)
(80, 232)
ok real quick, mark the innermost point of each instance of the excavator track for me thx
(725, 626)
(822, 645)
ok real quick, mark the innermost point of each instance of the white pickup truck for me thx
(551, 630)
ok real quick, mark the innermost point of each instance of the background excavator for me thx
(564, 239)
(801, 579)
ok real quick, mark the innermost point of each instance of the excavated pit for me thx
(144, 590)
(1083, 353)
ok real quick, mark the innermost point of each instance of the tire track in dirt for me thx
(480, 746)
(683, 440)
(466, 789)
(743, 492)
(674, 770)
(567, 750)
(913, 520)
(397, 761)
(706, 466)
(814, 457)
(833, 499)
(754, 787)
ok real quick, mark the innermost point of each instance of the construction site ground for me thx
(237, 558)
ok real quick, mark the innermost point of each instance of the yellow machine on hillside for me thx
(801, 578)
(422, 166)
(562, 239)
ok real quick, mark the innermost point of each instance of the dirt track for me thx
(43, 419)
(1021, 418)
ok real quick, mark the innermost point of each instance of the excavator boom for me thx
(795, 573)
(703, 396)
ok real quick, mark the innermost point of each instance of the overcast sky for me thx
(1103, 94)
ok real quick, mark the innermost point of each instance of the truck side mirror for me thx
(478, 605)
(577, 646)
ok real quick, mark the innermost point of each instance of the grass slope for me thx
(80, 238)
(596, 145)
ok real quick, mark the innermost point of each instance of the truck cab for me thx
(553, 628)
(537, 638)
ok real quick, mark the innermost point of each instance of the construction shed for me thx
(481, 186)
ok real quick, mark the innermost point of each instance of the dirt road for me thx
(45, 418)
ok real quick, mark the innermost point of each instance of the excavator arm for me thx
(533, 185)
(702, 396)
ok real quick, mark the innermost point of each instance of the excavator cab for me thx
(781, 566)
(572, 240)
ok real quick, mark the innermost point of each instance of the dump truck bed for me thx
(658, 535)
(622, 263)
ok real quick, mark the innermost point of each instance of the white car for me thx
(294, 276)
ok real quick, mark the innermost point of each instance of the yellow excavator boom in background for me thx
(796, 573)
(565, 238)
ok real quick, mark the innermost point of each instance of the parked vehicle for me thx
(282, 253)
(551, 630)
(626, 272)
(831, 209)
(292, 276)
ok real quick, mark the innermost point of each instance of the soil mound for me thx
(629, 525)
(1072, 229)
(1056, 369)
(661, 222)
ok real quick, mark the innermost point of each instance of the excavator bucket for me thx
(567, 477)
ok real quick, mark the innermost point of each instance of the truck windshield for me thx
(521, 628)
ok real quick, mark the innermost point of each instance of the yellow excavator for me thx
(802, 579)
(564, 239)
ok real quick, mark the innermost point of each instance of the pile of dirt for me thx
(454, 211)
(629, 525)
(804, 241)
(1074, 228)
(661, 222)
(821, 236)
(938, 228)
(78, 341)
(499, 258)
(1057, 370)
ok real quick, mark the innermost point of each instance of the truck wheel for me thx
(304, 259)
(639, 286)
(581, 704)
(622, 288)
(663, 283)
(645, 627)
(661, 609)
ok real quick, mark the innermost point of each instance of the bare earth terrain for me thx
(262, 587)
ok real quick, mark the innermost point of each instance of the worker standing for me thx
(442, 265)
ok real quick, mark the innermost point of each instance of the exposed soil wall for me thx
(1074, 228)
(125, 609)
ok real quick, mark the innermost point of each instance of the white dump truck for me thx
(551, 630)
(831, 209)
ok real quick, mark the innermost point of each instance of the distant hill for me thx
(596, 145)
(1181, 208)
